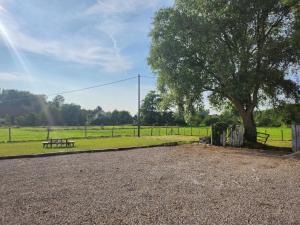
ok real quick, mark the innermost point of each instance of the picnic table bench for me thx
(58, 142)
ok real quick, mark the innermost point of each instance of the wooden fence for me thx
(296, 137)
(236, 136)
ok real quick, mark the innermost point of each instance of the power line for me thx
(92, 87)
(73, 91)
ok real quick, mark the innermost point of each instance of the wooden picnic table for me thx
(58, 143)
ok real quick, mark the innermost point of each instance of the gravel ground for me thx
(192, 184)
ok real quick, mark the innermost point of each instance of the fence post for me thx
(85, 132)
(223, 138)
(159, 131)
(281, 135)
(112, 132)
(9, 134)
(166, 131)
(151, 131)
(296, 137)
(48, 133)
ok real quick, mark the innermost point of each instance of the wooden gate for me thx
(236, 136)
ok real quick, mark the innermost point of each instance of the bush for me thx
(210, 120)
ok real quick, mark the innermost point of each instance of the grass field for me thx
(41, 133)
(28, 148)
(26, 140)
(277, 133)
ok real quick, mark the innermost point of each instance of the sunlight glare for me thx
(14, 52)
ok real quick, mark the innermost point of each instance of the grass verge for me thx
(30, 148)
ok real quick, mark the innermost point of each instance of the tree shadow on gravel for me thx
(257, 149)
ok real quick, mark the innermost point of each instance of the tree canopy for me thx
(242, 52)
(26, 109)
(152, 112)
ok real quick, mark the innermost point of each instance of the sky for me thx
(48, 47)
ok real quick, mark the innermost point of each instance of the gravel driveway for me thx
(190, 184)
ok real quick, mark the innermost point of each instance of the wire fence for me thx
(277, 134)
(22, 134)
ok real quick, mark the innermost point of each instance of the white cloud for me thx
(121, 6)
(80, 47)
(124, 22)
(73, 49)
(2, 9)
(14, 77)
(125, 19)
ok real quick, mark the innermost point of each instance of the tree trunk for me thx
(247, 116)
(250, 127)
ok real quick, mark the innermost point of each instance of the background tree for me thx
(121, 118)
(26, 109)
(290, 113)
(71, 115)
(240, 51)
(268, 118)
(150, 109)
(58, 101)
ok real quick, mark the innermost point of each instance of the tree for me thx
(268, 118)
(211, 120)
(150, 109)
(71, 114)
(121, 117)
(58, 101)
(291, 113)
(124, 117)
(239, 51)
(15, 103)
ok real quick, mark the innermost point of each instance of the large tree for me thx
(242, 52)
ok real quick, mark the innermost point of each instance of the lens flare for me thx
(19, 58)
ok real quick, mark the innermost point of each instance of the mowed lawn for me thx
(41, 133)
(124, 136)
(27, 148)
(277, 133)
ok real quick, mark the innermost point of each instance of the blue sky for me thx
(52, 46)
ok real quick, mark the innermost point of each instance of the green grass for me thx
(40, 133)
(277, 134)
(28, 148)
(279, 137)
(284, 144)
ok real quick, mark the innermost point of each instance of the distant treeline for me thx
(25, 109)
(21, 108)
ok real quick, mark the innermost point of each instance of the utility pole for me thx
(139, 105)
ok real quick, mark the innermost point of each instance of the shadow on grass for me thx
(269, 149)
